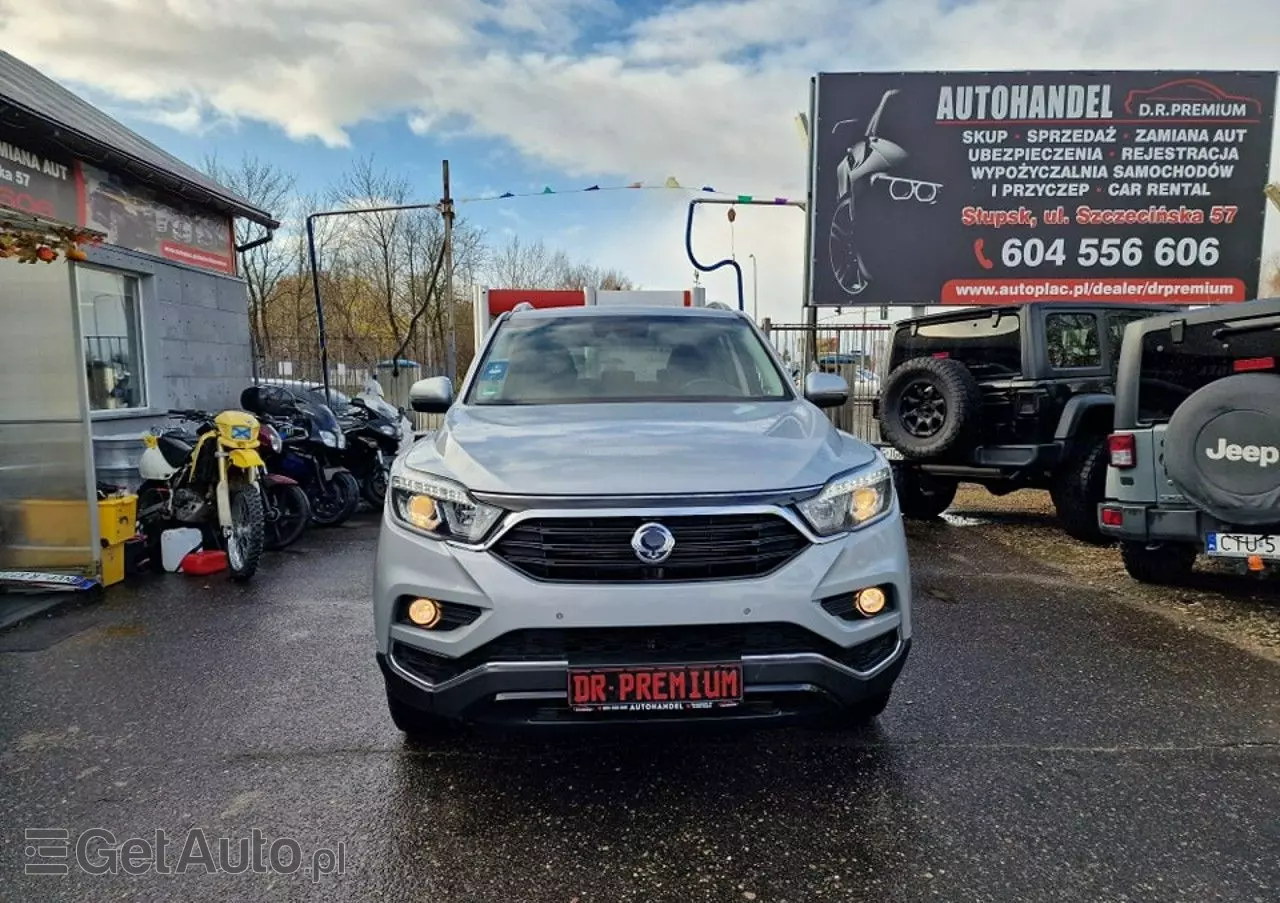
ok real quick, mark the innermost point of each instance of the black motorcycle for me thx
(373, 440)
(312, 443)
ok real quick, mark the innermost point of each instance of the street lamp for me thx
(755, 293)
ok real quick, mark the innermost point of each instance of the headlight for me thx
(440, 508)
(342, 440)
(328, 438)
(388, 430)
(849, 501)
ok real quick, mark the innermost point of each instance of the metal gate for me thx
(854, 351)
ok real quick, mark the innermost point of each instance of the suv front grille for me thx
(644, 645)
(598, 549)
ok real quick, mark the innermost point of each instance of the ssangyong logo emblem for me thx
(652, 543)
(1262, 455)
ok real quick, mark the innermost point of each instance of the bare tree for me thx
(377, 243)
(269, 188)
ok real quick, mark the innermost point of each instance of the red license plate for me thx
(655, 688)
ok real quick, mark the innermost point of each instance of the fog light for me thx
(424, 612)
(870, 601)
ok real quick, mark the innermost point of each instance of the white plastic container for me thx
(176, 543)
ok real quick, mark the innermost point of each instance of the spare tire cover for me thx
(1222, 449)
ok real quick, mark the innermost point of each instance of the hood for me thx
(638, 448)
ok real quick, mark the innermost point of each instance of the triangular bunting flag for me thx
(547, 190)
(636, 185)
(592, 188)
(506, 194)
(671, 182)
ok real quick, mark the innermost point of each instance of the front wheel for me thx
(244, 542)
(287, 514)
(864, 711)
(333, 500)
(922, 496)
(374, 486)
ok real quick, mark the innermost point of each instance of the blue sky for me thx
(524, 93)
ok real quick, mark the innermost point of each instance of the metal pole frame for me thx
(315, 270)
(728, 261)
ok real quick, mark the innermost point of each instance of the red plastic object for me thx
(201, 563)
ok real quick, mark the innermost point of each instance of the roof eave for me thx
(184, 188)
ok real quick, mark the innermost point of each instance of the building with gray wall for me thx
(99, 341)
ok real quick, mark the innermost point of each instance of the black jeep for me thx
(1010, 397)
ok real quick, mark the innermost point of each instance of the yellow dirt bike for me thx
(206, 478)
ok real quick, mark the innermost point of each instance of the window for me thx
(1071, 341)
(112, 330)
(621, 358)
(1116, 323)
(989, 345)
(1172, 372)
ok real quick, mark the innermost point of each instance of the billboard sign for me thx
(975, 188)
(37, 184)
(134, 217)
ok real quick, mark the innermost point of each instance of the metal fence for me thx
(349, 373)
(854, 351)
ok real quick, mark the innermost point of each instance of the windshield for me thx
(575, 360)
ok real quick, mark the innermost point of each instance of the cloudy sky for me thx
(521, 94)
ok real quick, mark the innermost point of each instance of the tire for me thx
(244, 550)
(418, 727)
(930, 407)
(922, 496)
(865, 711)
(846, 263)
(1163, 564)
(341, 497)
(1078, 488)
(374, 487)
(1241, 415)
(284, 532)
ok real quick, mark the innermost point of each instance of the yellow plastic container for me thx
(113, 564)
(117, 519)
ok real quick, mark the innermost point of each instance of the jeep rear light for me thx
(1250, 364)
(1122, 448)
(1112, 517)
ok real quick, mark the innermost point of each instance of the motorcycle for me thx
(285, 505)
(311, 440)
(209, 479)
(373, 441)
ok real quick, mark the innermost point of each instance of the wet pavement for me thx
(1045, 743)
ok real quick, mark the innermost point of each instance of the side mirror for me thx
(431, 396)
(826, 390)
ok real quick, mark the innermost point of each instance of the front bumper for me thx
(509, 663)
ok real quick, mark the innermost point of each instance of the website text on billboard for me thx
(958, 188)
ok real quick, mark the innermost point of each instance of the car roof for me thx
(966, 312)
(633, 310)
(1263, 307)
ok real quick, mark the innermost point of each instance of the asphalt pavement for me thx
(1046, 742)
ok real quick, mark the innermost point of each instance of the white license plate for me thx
(1242, 545)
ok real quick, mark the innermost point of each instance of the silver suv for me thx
(1195, 456)
(630, 515)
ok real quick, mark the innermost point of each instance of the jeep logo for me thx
(1262, 455)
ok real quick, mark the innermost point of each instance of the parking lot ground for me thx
(1052, 738)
